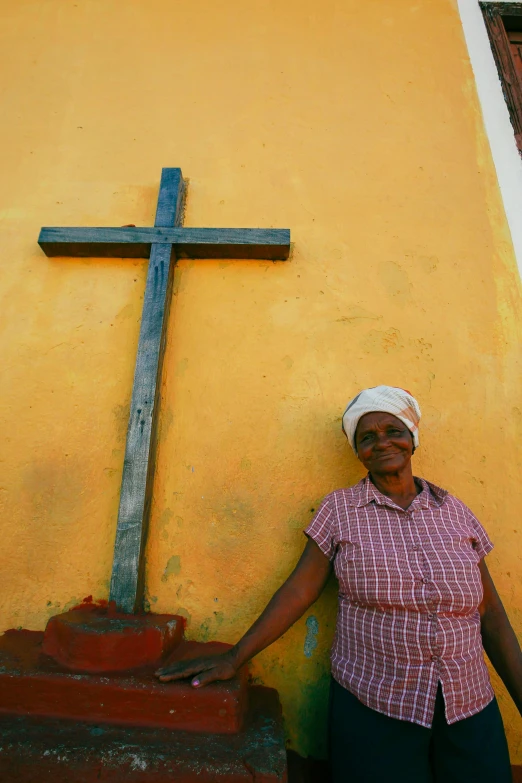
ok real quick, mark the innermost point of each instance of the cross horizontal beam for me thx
(262, 243)
(162, 245)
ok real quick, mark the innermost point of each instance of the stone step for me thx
(43, 750)
(32, 683)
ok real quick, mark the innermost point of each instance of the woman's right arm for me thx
(288, 604)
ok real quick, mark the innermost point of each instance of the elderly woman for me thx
(411, 699)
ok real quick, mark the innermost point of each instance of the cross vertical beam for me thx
(127, 580)
(162, 244)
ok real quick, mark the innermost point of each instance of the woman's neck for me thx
(399, 487)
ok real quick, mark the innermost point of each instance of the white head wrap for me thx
(386, 399)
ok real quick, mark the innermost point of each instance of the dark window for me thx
(504, 25)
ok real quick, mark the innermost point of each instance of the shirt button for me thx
(415, 548)
(431, 616)
(434, 657)
(424, 580)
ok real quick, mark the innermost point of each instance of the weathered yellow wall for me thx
(341, 121)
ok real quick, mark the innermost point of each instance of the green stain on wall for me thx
(311, 721)
(210, 626)
(172, 568)
(182, 612)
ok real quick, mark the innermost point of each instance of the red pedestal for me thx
(54, 751)
(81, 704)
(31, 683)
(99, 639)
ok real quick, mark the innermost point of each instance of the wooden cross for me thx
(162, 244)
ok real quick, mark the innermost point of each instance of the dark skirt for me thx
(369, 747)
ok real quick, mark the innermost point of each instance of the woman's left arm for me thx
(498, 638)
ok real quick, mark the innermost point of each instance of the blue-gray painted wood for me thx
(169, 209)
(138, 468)
(265, 243)
(162, 244)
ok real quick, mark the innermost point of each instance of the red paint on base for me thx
(89, 602)
(60, 721)
(32, 683)
(48, 750)
(94, 638)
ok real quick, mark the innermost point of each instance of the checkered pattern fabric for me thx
(409, 591)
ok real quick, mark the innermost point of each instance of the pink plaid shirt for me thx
(409, 590)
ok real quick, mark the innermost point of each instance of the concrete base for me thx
(31, 683)
(60, 721)
(46, 750)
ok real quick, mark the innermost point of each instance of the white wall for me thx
(506, 158)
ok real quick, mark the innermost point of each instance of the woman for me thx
(411, 698)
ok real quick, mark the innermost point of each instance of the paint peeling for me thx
(377, 342)
(165, 518)
(310, 643)
(172, 568)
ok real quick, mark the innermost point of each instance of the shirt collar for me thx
(367, 492)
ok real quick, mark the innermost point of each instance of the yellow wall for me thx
(339, 120)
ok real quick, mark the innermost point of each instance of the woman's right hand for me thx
(202, 670)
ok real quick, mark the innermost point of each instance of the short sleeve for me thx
(482, 543)
(320, 529)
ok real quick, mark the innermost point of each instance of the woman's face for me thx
(384, 444)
